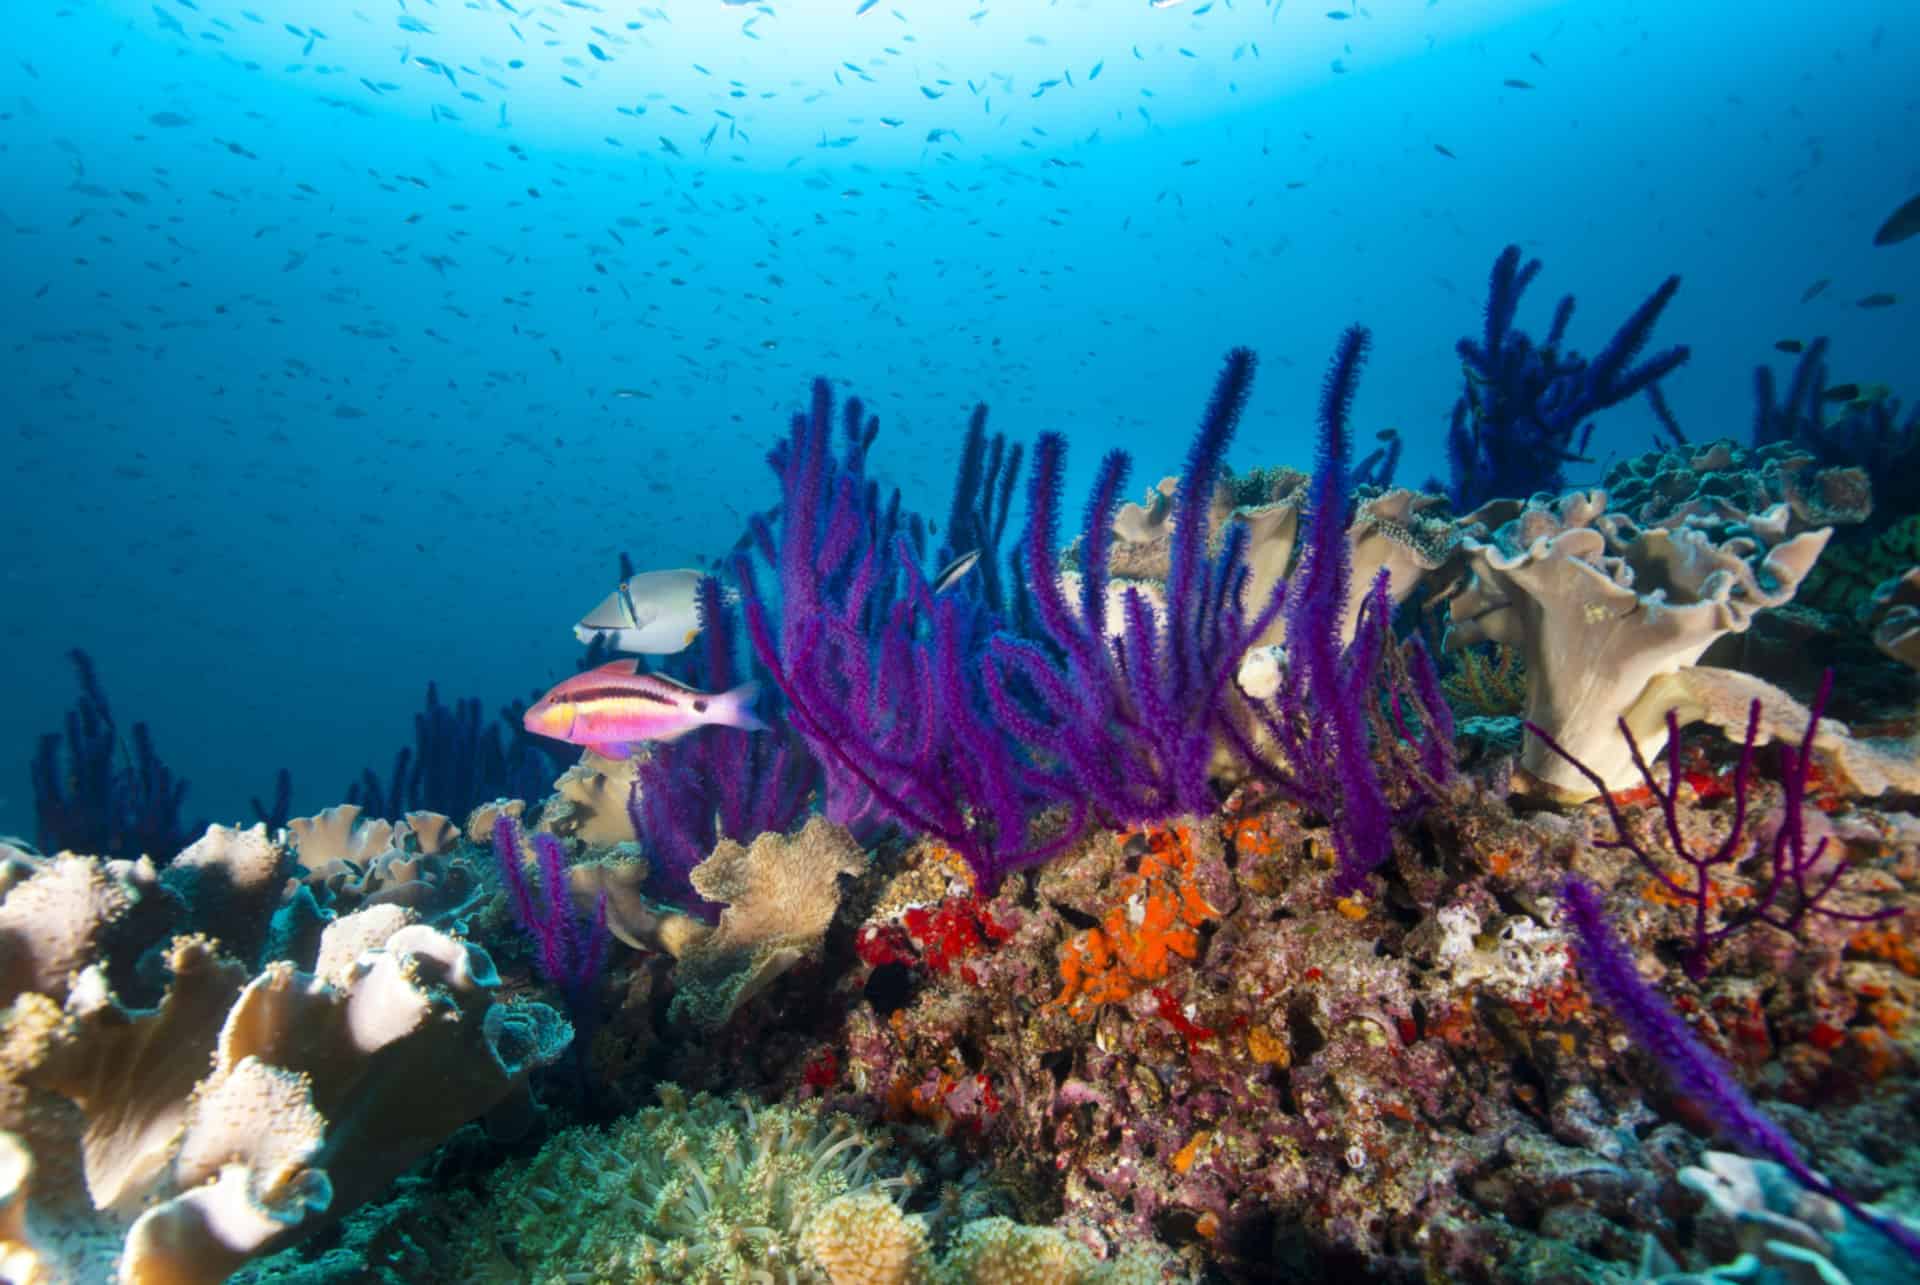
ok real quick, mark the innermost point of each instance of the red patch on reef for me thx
(942, 937)
(822, 1071)
(878, 944)
(1169, 1008)
(956, 929)
(1826, 1037)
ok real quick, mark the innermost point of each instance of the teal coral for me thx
(1844, 579)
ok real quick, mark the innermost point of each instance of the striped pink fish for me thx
(611, 709)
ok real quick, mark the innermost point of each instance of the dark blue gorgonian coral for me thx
(1524, 414)
(105, 801)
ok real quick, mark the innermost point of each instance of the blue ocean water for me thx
(346, 345)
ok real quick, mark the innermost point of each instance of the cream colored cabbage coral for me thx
(1724, 698)
(239, 1112)
(1408, 534)
(63, 916)
(1599, 608)
(592, 801)
(621, 876)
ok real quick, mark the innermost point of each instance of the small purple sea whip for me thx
(562, 956)
(1793, 869)
(1607, 969)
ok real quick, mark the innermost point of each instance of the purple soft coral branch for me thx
(1608, 971)
(548, 919)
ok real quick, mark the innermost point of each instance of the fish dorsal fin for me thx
(671, 681)
(620, 668)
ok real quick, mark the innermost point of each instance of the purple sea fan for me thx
(1327, 740)
(1607, 969)
(1126, 717)
(882, 675)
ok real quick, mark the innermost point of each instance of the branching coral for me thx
(1798, 879)
(881, 674)
(564, 957)
(458, 760)
(105, 801)
(1320, 731)
(1128, 715)
(1607, 969)
(1520, 419)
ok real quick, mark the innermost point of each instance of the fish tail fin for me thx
(734, 708)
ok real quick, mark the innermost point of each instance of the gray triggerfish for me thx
(652, 614)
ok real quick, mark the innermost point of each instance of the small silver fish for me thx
(951, 573)
(652, 614)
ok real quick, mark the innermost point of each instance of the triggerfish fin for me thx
(611, 709)
(653, 614)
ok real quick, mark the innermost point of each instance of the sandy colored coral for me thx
(234, 879)
(1893, 614)
(780, 895)
(480, 820)
(348, 863)
(866, 1239)
(338, 834)
(238, 1114)
(592, 802)
(621, 875)
(1723, 698)
(59, 920)
(1407, 534)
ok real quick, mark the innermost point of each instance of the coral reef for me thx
(1134, 912)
